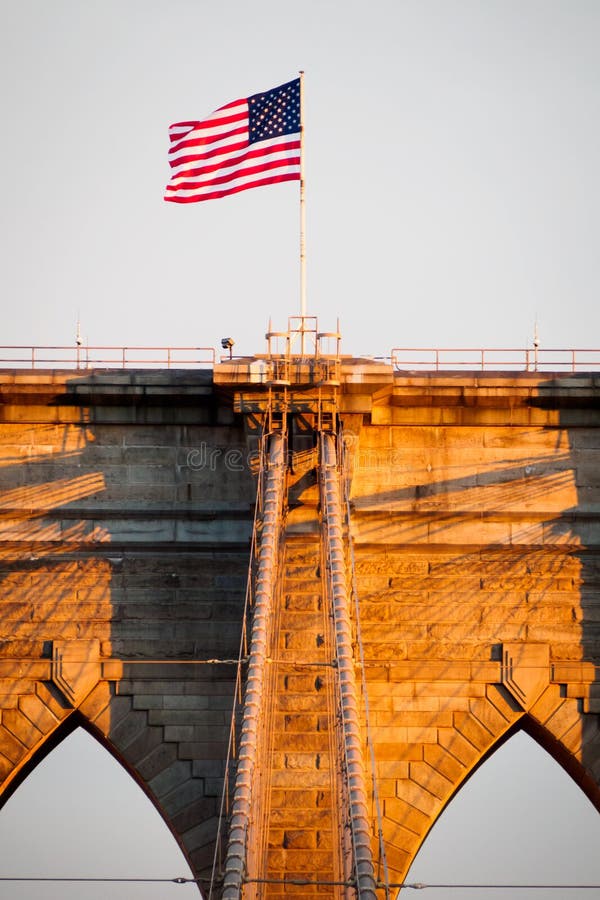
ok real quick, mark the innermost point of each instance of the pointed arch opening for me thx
(527, 815)
(76, 811)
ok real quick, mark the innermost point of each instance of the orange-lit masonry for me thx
(422, 569)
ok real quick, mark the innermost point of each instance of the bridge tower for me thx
(384, 569)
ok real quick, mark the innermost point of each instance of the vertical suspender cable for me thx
(359, 822)
(248, 746)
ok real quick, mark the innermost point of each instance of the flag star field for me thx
(275, 112)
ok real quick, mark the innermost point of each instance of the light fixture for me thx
(227, 344)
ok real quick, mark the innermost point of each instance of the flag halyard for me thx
(247, 143)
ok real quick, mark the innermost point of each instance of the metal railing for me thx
(446, 359)
(421, 359)
(100, 357)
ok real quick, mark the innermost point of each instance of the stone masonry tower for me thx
(300, 596)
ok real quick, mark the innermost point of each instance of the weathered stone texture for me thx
(471, 533)
(298, 762)
(133, 533)
(126, 504)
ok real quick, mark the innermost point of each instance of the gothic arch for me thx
(30, 757)
(577, 751)
(523, 813)
(72, 721)
(433, 774)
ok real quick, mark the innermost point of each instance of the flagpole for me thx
(302, 216)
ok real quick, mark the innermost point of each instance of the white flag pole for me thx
(302, 214)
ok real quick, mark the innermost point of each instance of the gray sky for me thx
(520, 819)
(452, 154)
(451, 158)
(80, 813)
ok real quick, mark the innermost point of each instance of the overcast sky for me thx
(452, 152)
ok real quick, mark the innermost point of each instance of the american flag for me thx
(242, 145)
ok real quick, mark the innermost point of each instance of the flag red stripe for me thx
(238, 173)
(214, 195)
(216, 151)
(222, 120)
(255, 153)
(214, 118)
(228, 148)
(198, 141)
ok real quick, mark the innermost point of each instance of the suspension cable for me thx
(242, 657)
(183, 879)
(363, 863)
(361, 653)
(248, 747)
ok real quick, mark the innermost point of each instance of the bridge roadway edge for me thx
(126, 520)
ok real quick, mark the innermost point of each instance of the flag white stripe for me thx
(236, 182)
(199, 151)
(238, 154)
(205, 135)
(231, 109)
(240, 172)
(217, 121)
